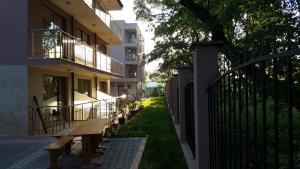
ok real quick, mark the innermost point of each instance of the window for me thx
(52, 20)
(54, 91)
(101, 48)
(84, 86)
(103, 86)
(131, 36)
(83, 36)
(130, 54)
(131, 71)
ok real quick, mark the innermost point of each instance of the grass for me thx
(162, 150)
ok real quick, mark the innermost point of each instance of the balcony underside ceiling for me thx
(86, 16)
(112, 4)
(62, 65)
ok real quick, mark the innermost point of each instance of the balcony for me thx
(56, 44)
(92, 18)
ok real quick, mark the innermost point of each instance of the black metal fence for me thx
(255, 114)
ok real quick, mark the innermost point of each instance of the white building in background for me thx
(129, 53)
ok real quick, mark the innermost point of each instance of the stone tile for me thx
(28, 153)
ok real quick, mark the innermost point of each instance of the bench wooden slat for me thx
(59, 143)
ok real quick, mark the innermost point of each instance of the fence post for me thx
(205, 68)
(175, 99)
(183, 79)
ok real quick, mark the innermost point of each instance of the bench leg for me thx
(53, 159)
(67, 149)
(86, 150)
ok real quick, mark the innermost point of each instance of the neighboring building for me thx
(54, 53)
(130, 53)
(153, 89)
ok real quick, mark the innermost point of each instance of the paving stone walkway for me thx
(28, 153)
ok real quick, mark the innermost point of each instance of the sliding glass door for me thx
(55, 91)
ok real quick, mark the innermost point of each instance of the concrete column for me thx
(184, 77)
(108, 86)
(205, 68)
(171, 102)
(176, 99)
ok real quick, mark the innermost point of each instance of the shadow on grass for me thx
(162, 150)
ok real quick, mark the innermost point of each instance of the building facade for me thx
(55, 60)
(130, 52)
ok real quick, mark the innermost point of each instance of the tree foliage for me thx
(246, 28)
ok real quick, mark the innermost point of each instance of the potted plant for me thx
(121, 106)
(121, 119)
(132, 108)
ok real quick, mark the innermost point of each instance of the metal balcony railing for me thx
(48, 120)
(57, 44)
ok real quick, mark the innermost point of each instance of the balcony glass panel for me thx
(108, 64)
(79, 53)
(89, 56)
(106, 18)
(103, 62)
(89, 3)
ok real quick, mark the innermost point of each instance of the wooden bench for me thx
(56, 148)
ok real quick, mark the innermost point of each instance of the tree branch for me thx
(205, 16)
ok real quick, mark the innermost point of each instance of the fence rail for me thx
(52, 119)
(255, 114)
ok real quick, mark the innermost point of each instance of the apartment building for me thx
(54, 59)
(130, 52)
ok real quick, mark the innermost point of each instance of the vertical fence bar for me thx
(210, 124)
(82, 112)
(221, 155)
(217, 114)
(290, 113)
(229, 121)
(247, 115)
(225, 126)
(213, 128)
(215, 103)
(92, 110)
(220, 123)
(234, 120)
(240, 119)
(70, 115)
(276, 135)
(254, 105)
(264, 111)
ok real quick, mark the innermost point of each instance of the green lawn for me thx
(162, 150)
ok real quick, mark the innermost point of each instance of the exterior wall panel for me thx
(13, 101)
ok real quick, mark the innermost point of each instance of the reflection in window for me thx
(84, 86)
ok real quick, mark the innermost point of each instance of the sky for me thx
(128, 15)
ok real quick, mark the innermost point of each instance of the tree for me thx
(247, 29)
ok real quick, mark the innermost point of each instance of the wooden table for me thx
(91, 132)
